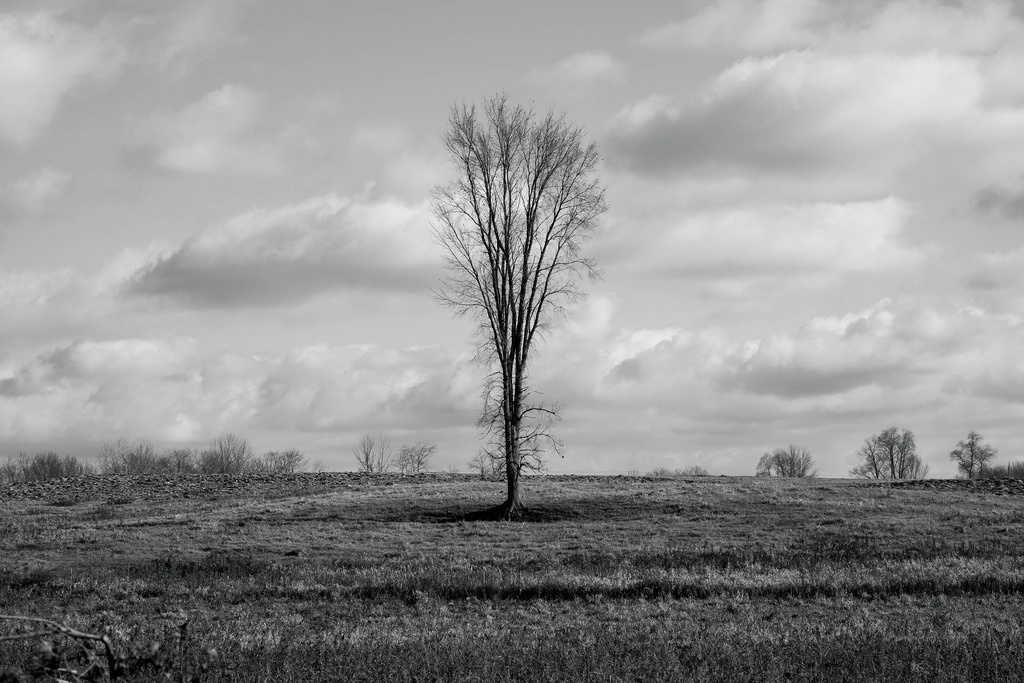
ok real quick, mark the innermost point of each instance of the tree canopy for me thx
(892, 454)
(512, 225)
(972, 455)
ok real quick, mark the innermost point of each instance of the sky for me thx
(215, 218)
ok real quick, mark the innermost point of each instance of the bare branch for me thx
(512, 227)
(890, 455)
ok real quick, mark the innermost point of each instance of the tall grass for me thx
(617, 580)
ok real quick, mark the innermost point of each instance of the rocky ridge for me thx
(1005, 487)
(125, 488)
(122, 489)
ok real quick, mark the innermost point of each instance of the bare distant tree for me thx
(972, 455)
(114, 457)
(415, 458)
(512, 226)
(123, 458)
(1011, 470)
(290, 461)
(181, 461)
(227, 454)
(10, 471)
(787, 462)
(42, 466)
(667, 473)
(373, 454)
(890, 455)
(486, 465)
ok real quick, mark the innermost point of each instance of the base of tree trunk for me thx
(508, 511)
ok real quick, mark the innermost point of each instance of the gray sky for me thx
(214, 218)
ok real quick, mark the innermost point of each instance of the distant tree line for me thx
(972, 455)
(786, 462)
(375, 455)
(892, 454)
(226, 454)
(667, 473)
(42, 466)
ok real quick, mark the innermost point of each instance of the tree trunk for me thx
(513, 507)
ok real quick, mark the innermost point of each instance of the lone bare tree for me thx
(787, 462)
(890, 455)
(290, 461)
(972, 455)
(512, 226)
(227, 454)
(415, 458)
(373, 454)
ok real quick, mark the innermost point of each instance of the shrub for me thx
(180, 461)
(42, 466)
(227, 454)
(373, 454)
(1011, 470)
(486, 465)
(691, 471)
(892, 454)
(787, 462)
(281, 462)
(415, 458)
(972, 455)
(122, 458)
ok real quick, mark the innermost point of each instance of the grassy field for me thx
(609, 579)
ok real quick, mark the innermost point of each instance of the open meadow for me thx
(335, 576)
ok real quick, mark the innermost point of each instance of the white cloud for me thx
(995, 280)
(88, 387)
(1001, 201)
(27, 291)
(173, 390)
(739, 24)
(369, 388)
(773, 26)
(813, 113)
(668, 394)
(398, 161)
(583, 69)
(1003, 85)
(221, 133)
(278, 256)
(43, 58)
(194, 30)
(790, 239)
(919, 26)
(827, 384)
(877, 103)
(41, 306)
(30, 195)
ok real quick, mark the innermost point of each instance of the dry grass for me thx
(609, 579)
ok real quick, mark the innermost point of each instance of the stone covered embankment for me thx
(130, 488)
(1006, 487)
(124, 488)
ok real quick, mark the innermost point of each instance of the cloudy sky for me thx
(214, 217)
